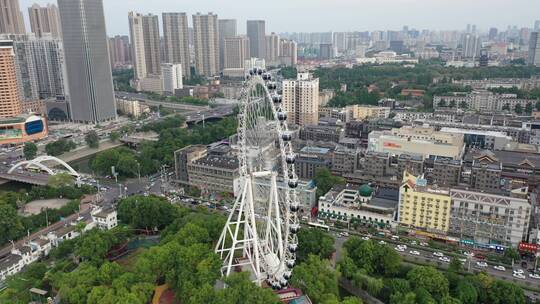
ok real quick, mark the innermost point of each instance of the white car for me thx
(438, 254)
(382, 242)
(414, 252)
(365, 238)
(424, 244)
(499, 268)
(402, 246)
(520, 271)
(399, 249)
(534, 276)
(469, 254)
(481, 264)
(413, 242)
(518, 275)
(444, 259)
(462, 260)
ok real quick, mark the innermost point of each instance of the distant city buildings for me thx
(87, 61)
(45, 20)
(256, 31)
(227, 29)
(301, 99)
(120, 52)
(145, 41)
(235, 52)
(176, 41)
(534, 49)
(206, 42)
(11, 18)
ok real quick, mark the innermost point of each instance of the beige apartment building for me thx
(206, 42)
(301, 99)
(10, 101)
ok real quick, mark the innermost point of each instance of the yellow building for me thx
(423, 207)
(360, 112)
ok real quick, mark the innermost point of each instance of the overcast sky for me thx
(334, 15)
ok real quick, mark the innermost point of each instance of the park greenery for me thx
(150, 156)
(288, 72)
(59, 147)
(14, 226)
(30, 150)
(121, 79)
(390, 80)
(80, 271)
(175, 99)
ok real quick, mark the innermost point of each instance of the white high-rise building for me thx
(272, 49)
(236, 51)
(145, 45)
(534, 49)
(301, 99)
(172, 77)
(470, 45)
(206, 42)
(176, 40)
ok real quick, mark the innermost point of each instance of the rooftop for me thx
(9, 260)
(220, 161)
(314, 150)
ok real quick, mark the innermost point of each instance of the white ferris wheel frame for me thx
(270, 258)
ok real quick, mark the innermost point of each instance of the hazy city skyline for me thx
(341, 15)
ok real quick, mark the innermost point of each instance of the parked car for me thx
(518, 275)
(444, 259)
(414, 252)
(534, 275)
(438, 254)
(499, 268)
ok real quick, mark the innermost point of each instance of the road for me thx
(171, 105)
(426, 257)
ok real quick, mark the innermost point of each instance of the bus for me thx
(317, 225)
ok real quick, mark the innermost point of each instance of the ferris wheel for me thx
(260, 235)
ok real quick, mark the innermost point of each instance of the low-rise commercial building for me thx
(309, 159)
(486, 218)
(214, 173)
(492, 140)
(420, 141)
(325, 133)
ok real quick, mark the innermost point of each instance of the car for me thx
(534, 276)
(520, 271)
(365, 238)
(344, 234)
(414, 252)
(499, 268)
(402, 246)
(413, 242)
(424, 244)
(382, 242)
(518, 275)
(395, 237)
(444, 259)
(469, 254)
(397, 248)
(462, 260)
(481, 264)
(438, 254)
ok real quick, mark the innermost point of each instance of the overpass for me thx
(170, 105)
(211, 114)
(27, 178)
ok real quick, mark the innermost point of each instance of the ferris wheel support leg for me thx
(275, 202)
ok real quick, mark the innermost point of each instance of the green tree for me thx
(315, 277)
(466, 292)
(528, 108)
(400, 298)
(511, 254)
(325, 181)
(114, 136)
(518, 109)
(240, 289)
(30, 150)
(60, 180)
(146, 212)
(314, 241)
(92, 139)
(506, 293)
(455, 266)
(537, 106)
(93, 246)
(11, 226)
(430, 279)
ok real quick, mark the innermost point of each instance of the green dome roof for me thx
(365, 190)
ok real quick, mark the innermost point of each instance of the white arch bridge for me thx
(39, 163)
